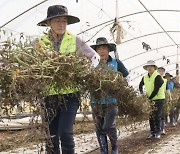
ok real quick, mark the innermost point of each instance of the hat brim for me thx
(112, 46)
(145, 67)
(162, 68)
(168, 75)
(70, 20)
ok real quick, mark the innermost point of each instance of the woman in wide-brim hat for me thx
(103, 41)
(105, 109)
(58, 11)
(168, 75)
(60, 111)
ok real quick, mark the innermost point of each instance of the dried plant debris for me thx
(176, 97)
(26, 72)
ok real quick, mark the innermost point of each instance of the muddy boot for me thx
(102, 139)
(52, 150)
(114, 151)
(112, 134)
(67, 151)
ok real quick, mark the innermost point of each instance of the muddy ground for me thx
(133, 144)
(137, 143)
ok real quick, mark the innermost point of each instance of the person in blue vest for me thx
(155, 92)
(161, 71)
(61, 106)
(105, 110)
(170, 84)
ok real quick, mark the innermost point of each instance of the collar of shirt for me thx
(109, 59)
(56, 44)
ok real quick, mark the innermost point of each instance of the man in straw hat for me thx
(155, 92)
(105, 110)
(61, 106)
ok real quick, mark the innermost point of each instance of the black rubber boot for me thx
(102, 139)
(67, 151)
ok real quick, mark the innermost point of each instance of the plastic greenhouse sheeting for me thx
(141, 26)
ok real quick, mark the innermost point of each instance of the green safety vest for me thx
(68, 45)
(149, 86)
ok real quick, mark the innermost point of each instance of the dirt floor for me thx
(138, 143)
(13, 139)
(133, 144)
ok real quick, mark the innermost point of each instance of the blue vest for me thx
(112, 65)
(170, 85)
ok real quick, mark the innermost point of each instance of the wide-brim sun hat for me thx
(150, 63)
(58, 11)
(162, 68)
(168, 74)
(103, 41)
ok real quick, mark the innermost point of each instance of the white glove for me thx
(95, 60)
(127, 78)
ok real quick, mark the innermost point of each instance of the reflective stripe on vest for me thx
(68, 45)
(149, 86)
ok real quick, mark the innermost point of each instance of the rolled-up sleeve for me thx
(85, 50)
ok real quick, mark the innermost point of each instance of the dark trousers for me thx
(172, 114)
(104, 117)
(176, 116)
(155, 117)
(163, 117)
(60, 113)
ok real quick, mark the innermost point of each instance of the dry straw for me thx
(26, 73)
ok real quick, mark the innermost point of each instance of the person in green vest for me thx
(161, 71)
(153, 83)
(61, 105)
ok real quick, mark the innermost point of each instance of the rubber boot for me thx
(67, 151)
(52, 150)
(102, 139)
(114, 151)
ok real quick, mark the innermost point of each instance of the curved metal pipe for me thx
(128, 15)
(149, 51)
(171, 70)
(22, 13)
(154, 60)
(162, 32)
